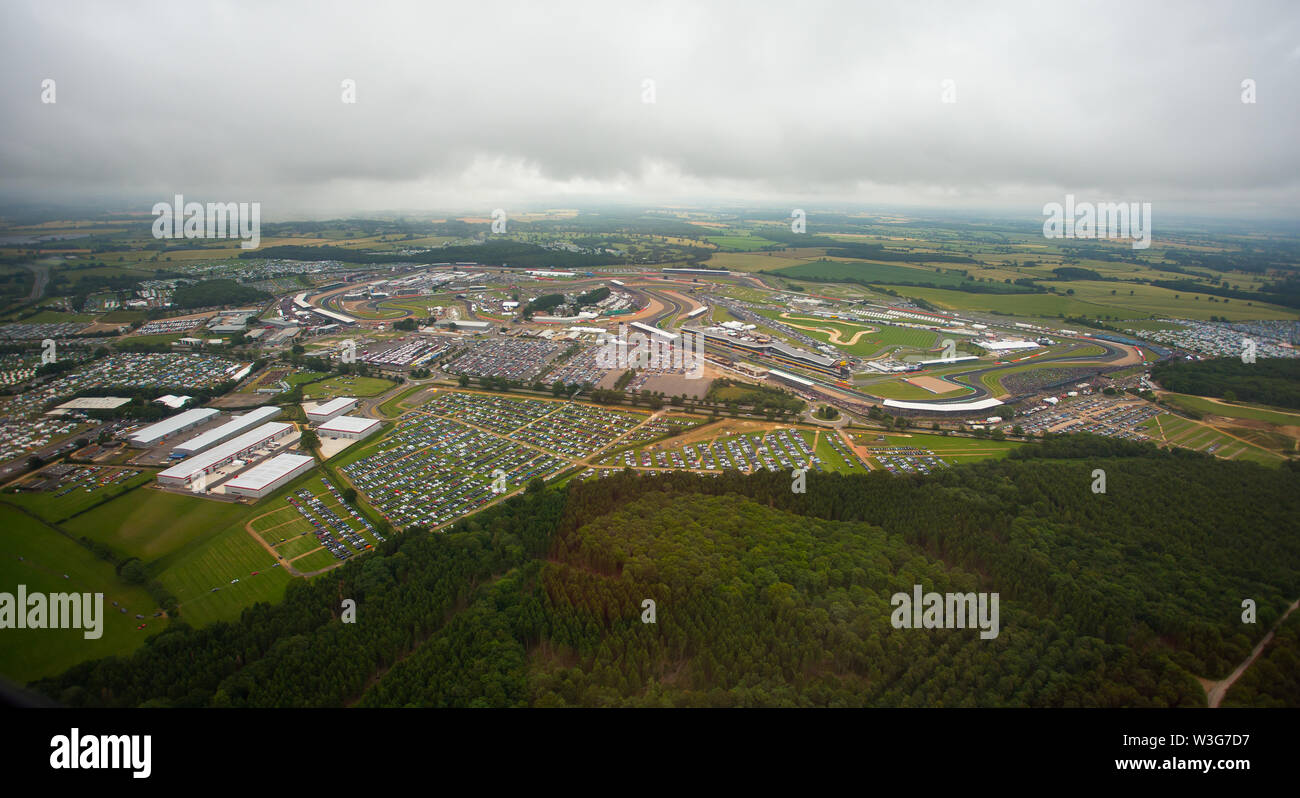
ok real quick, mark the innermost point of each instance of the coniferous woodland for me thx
(1271, 381)
(768, 597)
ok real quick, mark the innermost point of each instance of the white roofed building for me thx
(270, 475)
(320, 413)
(155, 433)
(351, 427)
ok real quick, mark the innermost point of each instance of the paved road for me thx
(971, 379)
(42, 273)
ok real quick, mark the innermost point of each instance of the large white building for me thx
(944, 407)
(166, 428)
(326, 410)
(1006, 346)
(270, 475)
(186, 471)
(353, 427)
(231, 428)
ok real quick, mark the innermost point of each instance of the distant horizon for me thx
(1030, 216)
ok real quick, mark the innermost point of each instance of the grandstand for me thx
(775, 351)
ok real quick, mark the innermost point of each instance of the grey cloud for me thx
(509, 102)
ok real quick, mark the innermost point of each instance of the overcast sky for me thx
(469, 105)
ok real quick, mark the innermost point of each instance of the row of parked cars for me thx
(907, 459)
(361, 519)
(313, 509)
(513, 358)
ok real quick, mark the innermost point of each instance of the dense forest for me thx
(593, 296)
(212, 293)
(1269, 381)
(1274, 679)
(759, 397)
(768, 597)
(545, 302)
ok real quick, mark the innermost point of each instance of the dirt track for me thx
(834, 332)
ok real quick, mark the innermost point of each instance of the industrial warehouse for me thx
(231, 428)
(323, 412)
(269, 475)
(184, 473)
(181, 422)
(350, 427)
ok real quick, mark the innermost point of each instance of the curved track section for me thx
(972, 379)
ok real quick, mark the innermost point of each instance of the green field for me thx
(396, 405)
(897, 389)
(282, 523)
(417, 306)
(1194, 435)
(993, 379)
(302, 543)
(1029, 305)
(752, 261)
(881, 337)
(59, 508)
(123, 316)
(230, 554)
(952, 448)
(46, 556)
(315, 561)
(1163, 302)
(1093, 300)
(739, 243)
(303, 377)
(152, 524)
(873, 272)
(343, 385)
(1234, 410)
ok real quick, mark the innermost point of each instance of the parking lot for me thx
(331, 528)
(513, 358)
(406, 354)
(907, 459)
(60, 480)
(35, 332)
(170, 326)
(581, 369)
(439, 463)
(1112, 417)
(432, 470)
(777, 450)
(144, 371)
